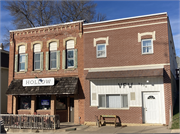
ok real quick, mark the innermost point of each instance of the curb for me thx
(175, 131)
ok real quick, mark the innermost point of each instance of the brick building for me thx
(125, 67)
(129, 65)
(46, 71)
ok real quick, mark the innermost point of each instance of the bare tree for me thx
(6, 38)
(28, 14)
(75, 10)
(31, 13)
(100, 17)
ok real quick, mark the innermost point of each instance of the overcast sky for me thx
(123, 9)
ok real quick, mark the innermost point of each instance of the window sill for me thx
(21, 72)
(146, 53)
(70, 69)
(115, 108)
(52, 70)
(36, 71)
(100, 57)
(94, 106)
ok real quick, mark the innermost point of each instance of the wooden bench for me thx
(102, 119)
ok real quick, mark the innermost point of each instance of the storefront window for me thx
(24, 102)
(61, 103)
(43, 102)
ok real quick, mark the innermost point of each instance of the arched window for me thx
(70, 55)
(21, 59)
(53, 56)
(37, 56)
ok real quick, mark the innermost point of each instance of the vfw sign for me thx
(38, 82)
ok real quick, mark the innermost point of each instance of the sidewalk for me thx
(105, 129)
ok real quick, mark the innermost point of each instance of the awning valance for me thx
(125, 74)
(64, 85)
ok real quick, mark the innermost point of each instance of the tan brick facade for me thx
(58, 33)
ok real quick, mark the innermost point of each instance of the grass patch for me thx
(176, 119)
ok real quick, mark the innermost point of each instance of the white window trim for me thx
(39, 60)
(67, 58)
(97, 51)
(142, 46)
(22, 70)
(50, 59)
(114, 108)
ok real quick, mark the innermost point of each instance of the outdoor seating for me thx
(102, 120)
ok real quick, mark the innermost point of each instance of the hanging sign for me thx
(38, 82)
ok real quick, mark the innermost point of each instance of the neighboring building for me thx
(129, 65)
(46, 71)
(178, 61)
(4, 78)
(177, 71)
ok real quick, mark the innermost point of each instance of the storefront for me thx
(45, 96)
(135, 96)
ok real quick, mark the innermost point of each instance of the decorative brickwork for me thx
(44, 35)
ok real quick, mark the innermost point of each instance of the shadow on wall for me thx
(166, 77)
(80, 90)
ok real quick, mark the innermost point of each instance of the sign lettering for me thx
(38, 82)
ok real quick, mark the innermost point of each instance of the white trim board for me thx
(126, 18)
(110, 29)
(124, 68)
(125, 23)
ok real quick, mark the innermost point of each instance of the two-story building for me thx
(46, 71)
(129, 65)
(124, 67)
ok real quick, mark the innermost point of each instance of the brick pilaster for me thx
(33, 104)
(15, 104)
(167, 92)
(53, 104)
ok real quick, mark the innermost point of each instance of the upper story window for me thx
(101, 50)
(21, 59)
(37, 56)
(70, 55)
(147, 46)
(53, 56)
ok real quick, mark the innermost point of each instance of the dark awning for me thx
(125, 74)
(64, 85)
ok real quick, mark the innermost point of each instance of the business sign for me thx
(38, 82)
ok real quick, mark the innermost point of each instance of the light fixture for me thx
(147, 81)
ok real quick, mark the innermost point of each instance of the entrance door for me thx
(71, 110)
(151, 107)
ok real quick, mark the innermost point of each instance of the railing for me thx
(31, 121)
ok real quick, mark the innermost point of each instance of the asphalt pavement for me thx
(105, 130)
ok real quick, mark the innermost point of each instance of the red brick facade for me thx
(124, 49)
(44, 34)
